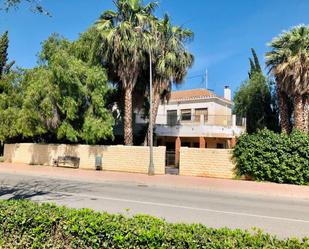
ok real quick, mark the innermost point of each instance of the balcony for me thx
(225, 126)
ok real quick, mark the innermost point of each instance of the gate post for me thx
(177, 151)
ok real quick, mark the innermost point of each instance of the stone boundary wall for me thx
(206, 162)
(133, 159)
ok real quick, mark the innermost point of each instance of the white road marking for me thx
(173, 206)
(183, 207)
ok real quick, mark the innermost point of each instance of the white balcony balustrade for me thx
(226, 126)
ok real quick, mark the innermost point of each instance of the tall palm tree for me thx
(171, 61)
(122, 48)
(289, 63)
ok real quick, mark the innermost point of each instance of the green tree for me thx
(63, 99)
(11, 100)
(288, 61)
(122, 47)
(171, 60)
(4, 45)
(254, 64)
(255, 100)
(35, 5)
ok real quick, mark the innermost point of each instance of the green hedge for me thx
(268, 156)
(29, 225)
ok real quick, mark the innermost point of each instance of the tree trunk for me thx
(305, 112)
(298, 112)
(155, 108)
(127, 122)
(284, 112)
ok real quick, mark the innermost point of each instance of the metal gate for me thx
(170, 159)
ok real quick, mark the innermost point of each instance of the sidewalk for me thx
(210, 184)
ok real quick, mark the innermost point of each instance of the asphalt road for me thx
(278, 216)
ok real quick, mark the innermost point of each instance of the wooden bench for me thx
(67, 161)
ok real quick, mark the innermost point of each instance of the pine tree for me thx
(4, 45)
(255, 99)
(252, 67)
(256, 61)
(254, 64)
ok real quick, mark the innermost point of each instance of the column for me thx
(202, 143)
(234, 120)
(233, 142)
(202, 119)
(177, 150)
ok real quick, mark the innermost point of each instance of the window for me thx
(199, 112)
(196, 145)
(220, 146)
(186, 115)
(172, 117)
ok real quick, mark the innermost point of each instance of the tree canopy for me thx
(256, 100)
(4, 65)
(170, 60)
(62, 99)
(127, 37)
(288, 61)
(254, 64)
(35, 5)
(122, 45)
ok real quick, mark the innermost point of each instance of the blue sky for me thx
(224, 31)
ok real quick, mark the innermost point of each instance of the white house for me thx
(197, 118)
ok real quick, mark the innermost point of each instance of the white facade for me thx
(217, 122)
(215, 107)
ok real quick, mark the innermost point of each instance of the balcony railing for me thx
(196, 120)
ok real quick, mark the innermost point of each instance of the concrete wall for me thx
(206, 162)
(114, 158)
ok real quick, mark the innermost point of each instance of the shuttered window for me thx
(171, 117)
(185, 114)
(199, 112)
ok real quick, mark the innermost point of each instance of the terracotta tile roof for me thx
(192, 94)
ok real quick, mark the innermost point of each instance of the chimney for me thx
(227, 93)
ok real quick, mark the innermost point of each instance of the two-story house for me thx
(197, 118)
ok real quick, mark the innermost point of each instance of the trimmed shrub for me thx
(268, 156)
(26, 224)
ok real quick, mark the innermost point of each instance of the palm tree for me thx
(289, 63)
(122, 48)
(171, 61)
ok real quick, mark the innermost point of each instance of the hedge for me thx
(25, 224)
(269, 156)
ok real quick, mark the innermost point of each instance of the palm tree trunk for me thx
(127, 124)
(155, 108)
(284, 112)
(298, 112)
(305, 112)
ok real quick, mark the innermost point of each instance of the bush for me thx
(29, 225)
(268, 156)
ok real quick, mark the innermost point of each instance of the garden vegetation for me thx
(24, 224)
(274, 157)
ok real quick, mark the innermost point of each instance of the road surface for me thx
(284, 217)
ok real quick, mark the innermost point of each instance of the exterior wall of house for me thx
(206, 162)
(133, 159)
(218, 110)
(220, 123)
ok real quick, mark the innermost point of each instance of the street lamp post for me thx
(151, 170)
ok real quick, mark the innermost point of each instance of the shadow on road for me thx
(35, 189)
